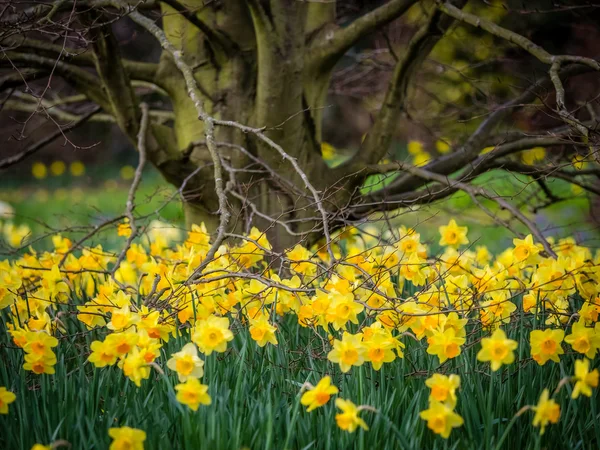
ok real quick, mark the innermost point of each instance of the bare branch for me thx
(45, 141)
(327, 53)
(379, 138)
(130, 206)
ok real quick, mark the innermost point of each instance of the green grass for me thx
(67, 203)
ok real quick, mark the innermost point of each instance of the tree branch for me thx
(80, 79)
(329, 52)
(114, 78)
(474, 192)
(7, 162)
(470, 150)
(209, 124)
(130, 205)
(379, 138)
(138, 70)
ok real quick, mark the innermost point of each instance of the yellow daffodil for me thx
(441, 419)
(7, 397)
(443, 388)
(212, 334)
(317, 396)
(445, 344)
(583, 339)
(262, 331)
(186, 363)
(585, 379)
(193, 394)
(103, 354)
(348, 352)
(546, 411)
(497, 349)
(348, 420)
(452, 235)
(545, 345)
(126, 438)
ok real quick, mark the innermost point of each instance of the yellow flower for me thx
(586, 380)
(300, 260)
(421, 159)
(348, 352)
(186, 363)
(413, 269)
(348, 419)
(252, 250)
(415, 147)
(262, 331)
(442, 146)
(152, 324)
(126, 438)
(452, 235)
(533, 155)
(410, 242)
(192, 393)
(342, 309)
(443, 388)
(57, 168)
(583, 339)
(10, 283)
(498, 349)
(7, 397)
(40, 343)
(547, 411)
(318, 395)
(525, 248)
(545, 345)
(122, 318)
(103, 354)
(39, 170)
(61, 244)
(212, 334)
(91, 315)
(40, 364)
(134, 367)
(198, 238)
(16, 236)
(445, 344)
(41, 447)
(380, 349)
(77, 168)
(122, 343)
(127, 172)
(124, 229)
(441, 418)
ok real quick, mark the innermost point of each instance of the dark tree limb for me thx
(330, 51)
(7, 162)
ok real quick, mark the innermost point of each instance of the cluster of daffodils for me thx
(440, 415)
(316, 396)
(363, 293)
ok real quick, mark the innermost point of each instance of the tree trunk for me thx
(256, 77)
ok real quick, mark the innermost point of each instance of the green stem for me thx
(505, 434)
(292, 423)
(490, 424)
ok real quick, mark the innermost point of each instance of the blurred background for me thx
(83, 180)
